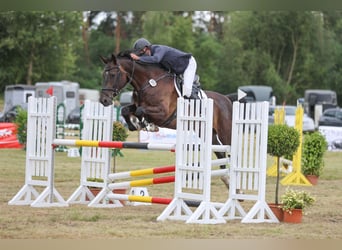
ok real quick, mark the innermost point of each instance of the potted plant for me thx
(314, 147)
(293, 204)
(93, 189)
(119, 134)
(282, 140)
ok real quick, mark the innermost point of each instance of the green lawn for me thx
(322, 221)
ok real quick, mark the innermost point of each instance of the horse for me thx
(155, 97)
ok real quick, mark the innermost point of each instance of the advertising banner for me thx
(164, 135)
(8, 137)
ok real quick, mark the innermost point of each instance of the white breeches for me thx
(189, 76)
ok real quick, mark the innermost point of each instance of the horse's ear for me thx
(113, 58)
(104, 60)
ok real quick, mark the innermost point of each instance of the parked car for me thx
(9, 115)
(290, 117)
(331, 117)
(74, 116)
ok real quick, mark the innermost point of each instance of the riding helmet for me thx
(141, 43)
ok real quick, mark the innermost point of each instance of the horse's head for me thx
(114, 80)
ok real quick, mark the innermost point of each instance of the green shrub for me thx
(314, 147)
(119, 134)
(21, 123)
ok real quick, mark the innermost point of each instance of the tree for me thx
(181, 34)
(284, 49)
(207, 52)
(156, 26)
(38, 46)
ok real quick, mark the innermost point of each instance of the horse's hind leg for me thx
(144, 123)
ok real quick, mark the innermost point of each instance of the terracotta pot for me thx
(313, 179)
(96, 190)
(277, 210)
(294, 217)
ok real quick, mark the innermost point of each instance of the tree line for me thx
(288, 50)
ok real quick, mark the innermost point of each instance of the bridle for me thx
(116, 91)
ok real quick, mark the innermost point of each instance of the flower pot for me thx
(294, 216)
(120, 191)
(96, 190)
(277, 210)
(313, 179)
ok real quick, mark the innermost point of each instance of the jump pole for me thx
(137, 198)
(149, 199)
(143, 182)
(114, 144)
(157, 180)
(141, 172)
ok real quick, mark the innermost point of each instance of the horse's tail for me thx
(234, 97)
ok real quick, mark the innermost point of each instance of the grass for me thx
(322, 221)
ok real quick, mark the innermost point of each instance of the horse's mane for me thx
(125, 54)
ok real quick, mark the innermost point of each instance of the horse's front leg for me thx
(128, 113)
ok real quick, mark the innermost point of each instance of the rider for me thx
(173, 59)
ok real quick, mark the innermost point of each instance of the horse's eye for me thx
(107, 73)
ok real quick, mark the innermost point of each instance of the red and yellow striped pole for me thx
(114, 144)
(141, 172)
(143, 182)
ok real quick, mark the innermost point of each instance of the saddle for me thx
(196, 87)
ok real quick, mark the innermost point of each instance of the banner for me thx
(8, 137)
(333, 136)
(164, 135)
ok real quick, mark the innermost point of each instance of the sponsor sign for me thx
(8, 137)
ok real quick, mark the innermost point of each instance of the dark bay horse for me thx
(155, 96)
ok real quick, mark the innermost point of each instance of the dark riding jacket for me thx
(170, 58)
